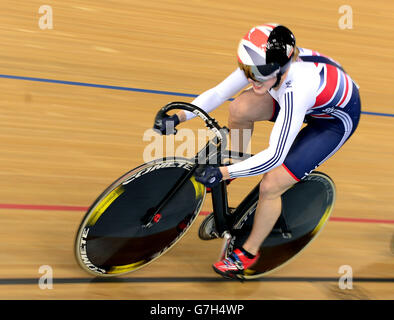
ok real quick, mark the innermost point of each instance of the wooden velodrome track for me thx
(63, 142)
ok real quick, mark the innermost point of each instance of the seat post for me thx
(220, 207)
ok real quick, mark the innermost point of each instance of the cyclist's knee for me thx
(249, 107)
(272, 185)
(238, 111)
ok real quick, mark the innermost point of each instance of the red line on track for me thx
(80, 208)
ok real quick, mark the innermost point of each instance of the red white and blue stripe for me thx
(335, 90)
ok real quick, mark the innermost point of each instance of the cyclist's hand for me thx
(209, 176)
(167, 125)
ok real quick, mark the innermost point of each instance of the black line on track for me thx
(34, 281)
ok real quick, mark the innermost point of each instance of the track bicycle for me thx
(146, 211)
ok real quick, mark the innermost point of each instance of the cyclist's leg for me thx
(272, 186)
(305, 155)
(315, 143)
(247, 108)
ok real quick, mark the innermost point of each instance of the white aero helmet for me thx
(266, 51)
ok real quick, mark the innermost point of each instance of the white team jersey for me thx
(316, 89)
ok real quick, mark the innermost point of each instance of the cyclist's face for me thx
(262, 87)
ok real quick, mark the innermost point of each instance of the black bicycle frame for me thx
(211, 154)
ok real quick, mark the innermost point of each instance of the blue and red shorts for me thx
(320, 138)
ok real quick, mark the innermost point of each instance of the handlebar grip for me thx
(158, 124)
(159, 120)
(210, 122)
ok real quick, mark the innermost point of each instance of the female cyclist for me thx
(290, 86)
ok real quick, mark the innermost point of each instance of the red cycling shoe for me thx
(235, 264)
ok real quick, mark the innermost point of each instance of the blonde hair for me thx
(246, 69)
(296, 54)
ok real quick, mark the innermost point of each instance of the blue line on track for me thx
(103, 86)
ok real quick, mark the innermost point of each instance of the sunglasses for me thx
(261, 73)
